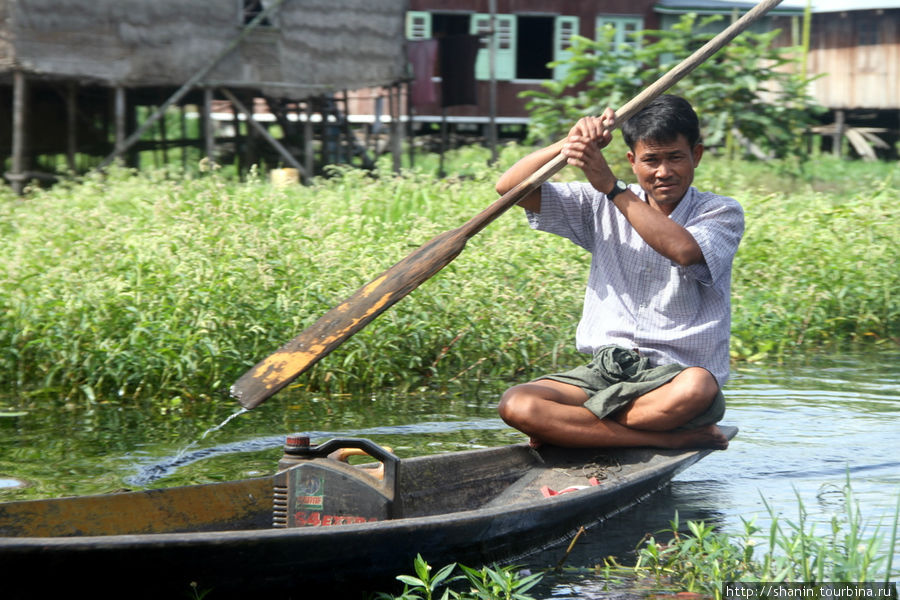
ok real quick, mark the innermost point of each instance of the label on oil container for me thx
(309, 492)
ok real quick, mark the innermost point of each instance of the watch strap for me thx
(619, 187)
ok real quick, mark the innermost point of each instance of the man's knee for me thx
(516, 405)
(695, 390)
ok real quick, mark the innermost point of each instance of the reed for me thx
(146, 285)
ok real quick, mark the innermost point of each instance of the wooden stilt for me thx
(164, 140)
(184, 137)
(238, 150)
(209, 139)
(120, 123)
(397, 133)
(71, 125)
(392, 111)
(411, 133)
(838, 138)
(349, 140)
(19, 142)
(492, 85)
(308, 148)
(441, 172)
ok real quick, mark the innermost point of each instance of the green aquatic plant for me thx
(701, 559)
(486, 583)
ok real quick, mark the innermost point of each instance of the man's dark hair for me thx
(663, 120)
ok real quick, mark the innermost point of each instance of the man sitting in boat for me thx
(657, 312)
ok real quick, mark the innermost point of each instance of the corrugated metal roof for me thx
(716, 7)
(788, 6)
(841, 5)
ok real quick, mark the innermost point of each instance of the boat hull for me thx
(504, 515)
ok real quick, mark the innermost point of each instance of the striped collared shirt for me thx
(635, 297)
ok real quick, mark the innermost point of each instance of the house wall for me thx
(5, 49)
(311, 46)
(84, 67)
(858, 54)
(510, 107)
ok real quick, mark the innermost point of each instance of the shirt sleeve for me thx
(567, 209)
(717, 227)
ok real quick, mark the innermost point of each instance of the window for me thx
(449, 24)
(250, 9)
(504, 40)
(418, 25)
(425, 25)
(867, 32)
(523, 44)
(563, 30)
(626, 29)
(535, 48)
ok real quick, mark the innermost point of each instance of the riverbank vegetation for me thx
(147, 285)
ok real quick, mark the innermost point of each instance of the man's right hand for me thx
(583, 149)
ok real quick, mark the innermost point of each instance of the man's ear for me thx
(698, 153)
(630, 156)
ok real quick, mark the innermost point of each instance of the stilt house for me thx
(83, 82)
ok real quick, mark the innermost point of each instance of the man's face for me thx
(665, 170)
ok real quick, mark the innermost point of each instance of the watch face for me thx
(621, 186)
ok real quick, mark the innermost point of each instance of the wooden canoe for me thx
(474, 507)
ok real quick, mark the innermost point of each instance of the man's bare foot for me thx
(708, 436)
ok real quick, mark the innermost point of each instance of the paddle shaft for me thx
(297, 356)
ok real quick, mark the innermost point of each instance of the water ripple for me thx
(166, 466)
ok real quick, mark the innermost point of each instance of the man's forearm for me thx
(523, 169)
(659, 231)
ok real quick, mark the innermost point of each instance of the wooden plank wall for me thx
(857, 75)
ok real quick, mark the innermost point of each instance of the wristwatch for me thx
(618, 188)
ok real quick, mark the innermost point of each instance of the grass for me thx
(151, 285)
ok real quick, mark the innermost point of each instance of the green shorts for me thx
(616, 376)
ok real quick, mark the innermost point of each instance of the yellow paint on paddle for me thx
(270, 371)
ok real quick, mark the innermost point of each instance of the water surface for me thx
(806, 426)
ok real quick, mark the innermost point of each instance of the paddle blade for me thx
(331, 330)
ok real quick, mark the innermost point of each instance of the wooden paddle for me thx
(280, 368)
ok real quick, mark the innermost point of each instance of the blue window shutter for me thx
(563, 30)
(625, 28)
(418, 25)
(504, 40)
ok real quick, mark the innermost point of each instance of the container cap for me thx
(296, 440)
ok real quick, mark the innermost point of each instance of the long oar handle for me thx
(631, 108)
(334, 327)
